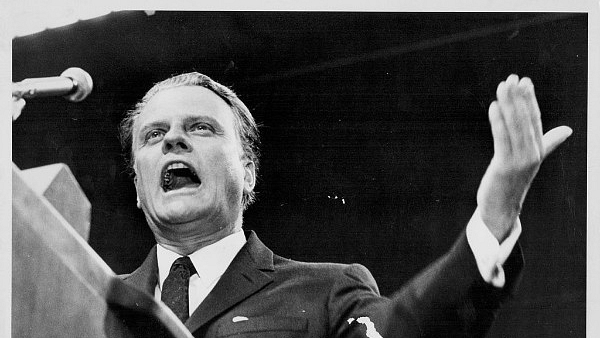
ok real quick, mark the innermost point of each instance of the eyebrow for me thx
(203, 118)
(190, 119)
(150, 126)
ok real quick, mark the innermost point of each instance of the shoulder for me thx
(289, 268)
(326, 273)
(145, 276)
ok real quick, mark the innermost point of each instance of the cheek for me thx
(231, 169)
(139, 188)
(144, 165)
(143, 178)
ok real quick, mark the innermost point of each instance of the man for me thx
(195, 159)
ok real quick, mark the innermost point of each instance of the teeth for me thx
(177, 165)
(169, 176)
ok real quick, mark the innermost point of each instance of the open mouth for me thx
(178, 175)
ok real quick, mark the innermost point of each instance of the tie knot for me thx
(183, 264)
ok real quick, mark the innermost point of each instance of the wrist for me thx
(500, 224)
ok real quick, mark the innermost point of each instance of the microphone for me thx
(74, 84)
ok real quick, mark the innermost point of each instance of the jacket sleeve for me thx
(449, 298)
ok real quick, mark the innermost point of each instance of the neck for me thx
(185, 244)
(186, 249)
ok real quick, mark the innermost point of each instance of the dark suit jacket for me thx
(264, 295)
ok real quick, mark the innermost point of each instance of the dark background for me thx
(374, 129)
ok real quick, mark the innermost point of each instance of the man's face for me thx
(189, 165)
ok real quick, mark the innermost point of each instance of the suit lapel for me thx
(145, 277)
(247, 274)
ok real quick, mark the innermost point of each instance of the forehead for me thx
(184, 102)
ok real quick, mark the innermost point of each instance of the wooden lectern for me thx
(61, 287)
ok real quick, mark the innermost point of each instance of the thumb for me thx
(17, 107)
(553, 138)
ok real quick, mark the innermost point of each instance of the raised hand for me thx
(519, 149)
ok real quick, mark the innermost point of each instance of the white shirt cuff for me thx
(489, 254)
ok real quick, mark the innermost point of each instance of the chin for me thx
(172, 218)
(179, 213)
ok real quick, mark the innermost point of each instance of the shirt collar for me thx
(210, 261)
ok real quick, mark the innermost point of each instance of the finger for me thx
(502, 146)
(18, 102)
(17, 107)
(531, 143)
(553, 138)
(507, 102)
(523, 119)
(533, 109)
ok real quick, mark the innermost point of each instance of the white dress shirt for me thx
(489, 254)
(212, 261)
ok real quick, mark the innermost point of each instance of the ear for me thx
(137, 196)
(249, 177)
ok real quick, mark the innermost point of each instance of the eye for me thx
(201, 127)
(154, 134)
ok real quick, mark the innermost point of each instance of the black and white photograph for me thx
(302, 173)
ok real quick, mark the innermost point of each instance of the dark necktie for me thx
(175, 292)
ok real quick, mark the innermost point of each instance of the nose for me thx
(176, 141)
